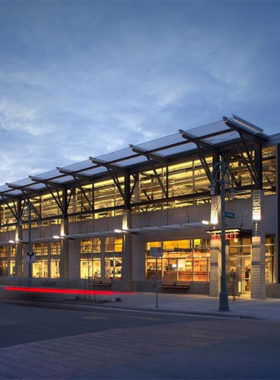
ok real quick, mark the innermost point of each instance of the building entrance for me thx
(241, 265)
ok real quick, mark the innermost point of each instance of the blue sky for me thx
(82, 78)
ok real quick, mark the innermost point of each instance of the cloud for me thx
(80, 79)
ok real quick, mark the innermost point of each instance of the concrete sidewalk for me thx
(268, 309)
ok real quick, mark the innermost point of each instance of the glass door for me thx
(243, 274)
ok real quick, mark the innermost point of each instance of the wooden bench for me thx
(175, 285)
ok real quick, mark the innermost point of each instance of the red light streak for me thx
(63, 291)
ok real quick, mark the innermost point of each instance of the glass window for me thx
(40, 249)
(55, 268)
(3, 252)
(3, 268)
(183, 260)
(40, 268)
(12, 251)
(113, 244)
(91, 246)
(270, 259)
(113, 268)
(90, 267)
(12, 268)
(55, 248)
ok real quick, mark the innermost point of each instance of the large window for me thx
(113, 262)
(55, 260)
(40, 267)
(90, 263)
(183, 260)
(270, 259)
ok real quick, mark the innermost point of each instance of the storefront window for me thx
(183, 260)
(40, 268)
(55, 260)
(113, 268)
(269, 259)
(12, 268)
(90, 268)
(3, 267)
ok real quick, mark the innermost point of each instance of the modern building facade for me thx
(100, 218)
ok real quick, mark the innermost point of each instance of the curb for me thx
(84, 305)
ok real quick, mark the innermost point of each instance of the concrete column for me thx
(49, 260)
(258, 248)
(215, 267)
(127, 255)
(102, 258)
(64, 250)
(215, 250)
(18, 258)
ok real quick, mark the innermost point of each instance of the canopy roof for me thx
(211, 135)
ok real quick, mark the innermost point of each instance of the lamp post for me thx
(218, 175)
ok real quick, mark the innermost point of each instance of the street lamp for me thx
(220, 170)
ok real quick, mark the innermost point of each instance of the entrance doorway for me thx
(243, 272)
(241, 265)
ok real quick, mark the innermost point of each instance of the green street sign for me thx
(229, 215)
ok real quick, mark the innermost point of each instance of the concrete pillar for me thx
(127, 254)
(64, 250)
(18, 258)
(215, 267)
(215, 250)
(258, 247)
(102, 258)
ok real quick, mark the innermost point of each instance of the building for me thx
(100, 218)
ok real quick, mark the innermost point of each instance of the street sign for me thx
(229, 215)
(30, 257)
(156, 251)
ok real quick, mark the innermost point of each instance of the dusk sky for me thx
(83, 78)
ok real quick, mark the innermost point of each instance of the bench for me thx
(48, 283)
(98, 283)
(174, 285)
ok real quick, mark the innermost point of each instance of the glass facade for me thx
(176, 185)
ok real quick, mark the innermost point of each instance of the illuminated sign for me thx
(215, 203)
(230, 235)
(256, 205)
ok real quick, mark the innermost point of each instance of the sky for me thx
(84, 78)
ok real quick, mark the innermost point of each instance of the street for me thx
(48, 343)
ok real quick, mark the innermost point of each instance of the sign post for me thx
(156, 252)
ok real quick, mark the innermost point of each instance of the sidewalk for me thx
(268, 309)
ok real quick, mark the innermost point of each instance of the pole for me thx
(223, 305)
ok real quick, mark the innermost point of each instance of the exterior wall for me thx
(243, 218)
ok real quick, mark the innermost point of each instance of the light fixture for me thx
(232, 193)
(118, 231)
(205, 222)
(212, 188)
(11, 241)
(56, 237)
